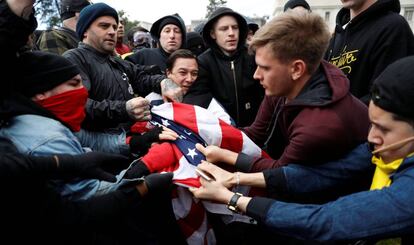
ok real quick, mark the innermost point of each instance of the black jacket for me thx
(32, 209)
(228, 78)
(150, 56)
(111, 82)
(14, 32)
(369, 43)
(32, 212)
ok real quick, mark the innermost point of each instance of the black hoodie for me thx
(370, 42)
(229, 79)
(158, 56)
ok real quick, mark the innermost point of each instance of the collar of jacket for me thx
(407, 163)
(163, 53)
(218, 53)
(316, 91)
(100, 57)
(375, 10)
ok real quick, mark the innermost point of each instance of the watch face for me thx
(232, 205)
(232, 208)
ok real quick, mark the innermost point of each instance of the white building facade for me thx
(328, 9)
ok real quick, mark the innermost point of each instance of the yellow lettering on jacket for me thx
(345, 60)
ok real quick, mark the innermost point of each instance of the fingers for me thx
(170, 91)
(207, 167)
(138, 109)
(168, 136)
(168, 133)
(173, 96)
(201, 148)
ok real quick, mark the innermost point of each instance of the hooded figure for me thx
(170, 34)
(226, 69)
(362, 47)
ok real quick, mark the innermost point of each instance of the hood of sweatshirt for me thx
(243, 29)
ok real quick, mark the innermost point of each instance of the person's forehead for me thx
(378, 114)
(185, 63)
(225, 19)
(170, 26)
(105, 19)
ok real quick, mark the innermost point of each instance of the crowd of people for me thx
(83, 160)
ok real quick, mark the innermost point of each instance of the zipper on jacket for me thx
(235, 89)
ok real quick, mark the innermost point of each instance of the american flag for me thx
(194, 125)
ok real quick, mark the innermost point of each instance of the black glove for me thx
(158, 182)
(92, 165)
(140, 144)
(137, 170)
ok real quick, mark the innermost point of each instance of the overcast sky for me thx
(151, 10)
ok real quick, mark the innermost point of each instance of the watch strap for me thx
(232, 205)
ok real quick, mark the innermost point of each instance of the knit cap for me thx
(393, 90)
(68, 8)
(91, 13)
(43, 71)
(294, 3)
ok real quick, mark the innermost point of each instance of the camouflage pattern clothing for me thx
(58, 40)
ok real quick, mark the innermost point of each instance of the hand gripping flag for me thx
(194, 125)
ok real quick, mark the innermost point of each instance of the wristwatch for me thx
(232, 205)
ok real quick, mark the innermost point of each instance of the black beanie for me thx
(91, 13)
(42, 71)
(166, 21)
(174, 19)
(393, 90)
(294, 3)
(68, 8)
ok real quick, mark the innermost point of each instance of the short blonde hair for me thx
(295, 35)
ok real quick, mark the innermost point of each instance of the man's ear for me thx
(38, 97)
(212, 34)
(168, 73)
(298, 69)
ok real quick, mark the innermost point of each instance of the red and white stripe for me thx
(190, 212)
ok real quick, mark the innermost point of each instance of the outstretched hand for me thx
(212, 153)
(141, 143)
(211, 189)
(220, 175)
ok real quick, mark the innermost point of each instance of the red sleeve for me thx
(160, 157)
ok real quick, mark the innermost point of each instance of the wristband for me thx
(237, 178)
(232, 205)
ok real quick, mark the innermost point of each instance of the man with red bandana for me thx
(47, 127)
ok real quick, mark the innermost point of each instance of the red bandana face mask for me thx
(69, 107)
